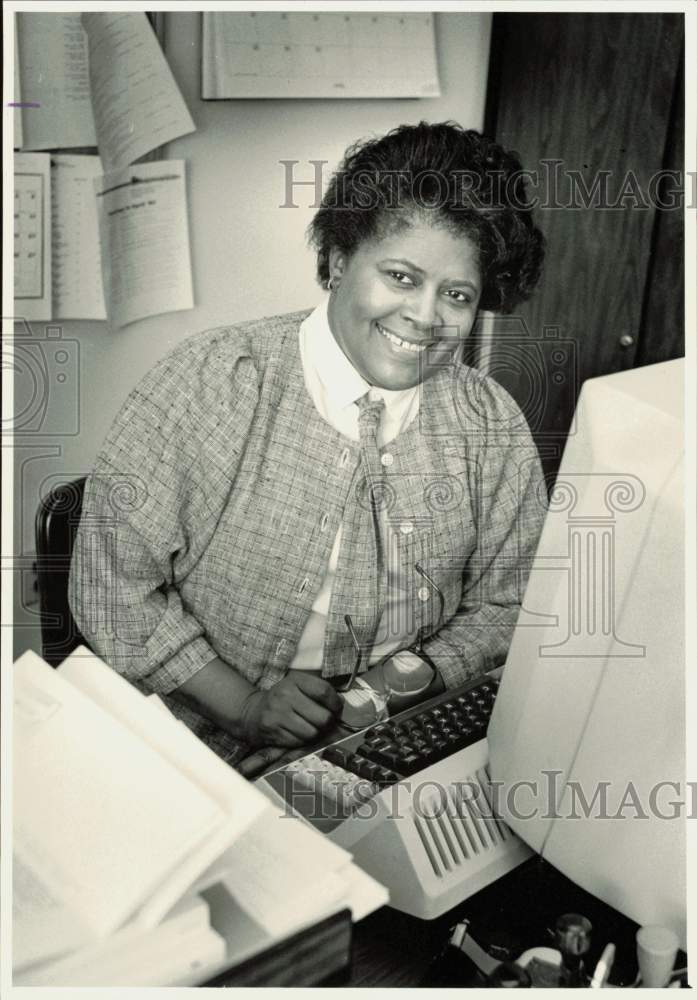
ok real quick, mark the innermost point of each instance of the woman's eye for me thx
(401, 278)
(462, 298)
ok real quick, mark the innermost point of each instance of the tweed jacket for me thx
(209, 518)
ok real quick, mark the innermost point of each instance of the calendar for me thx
(28, 241)
(343, 54)
(32, 236)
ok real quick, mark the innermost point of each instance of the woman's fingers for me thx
(259, 760)
(319, 690)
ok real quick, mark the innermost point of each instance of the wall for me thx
(249, 256)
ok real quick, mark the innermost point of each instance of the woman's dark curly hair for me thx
(472, 184)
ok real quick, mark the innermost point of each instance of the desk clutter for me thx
(464, 962)
(513, 935)
(140, 858)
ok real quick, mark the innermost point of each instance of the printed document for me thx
(54, 81)
(137, 104)
(118, 809)
(17, 98)
(32, 236)
(144, 235)
(77, 275)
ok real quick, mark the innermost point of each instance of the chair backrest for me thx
(57, 520)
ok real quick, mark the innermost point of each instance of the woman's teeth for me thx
(398, 342)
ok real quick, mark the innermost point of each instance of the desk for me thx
(506, 918)
(392, 949)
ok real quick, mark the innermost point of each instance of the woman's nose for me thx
(421, 309)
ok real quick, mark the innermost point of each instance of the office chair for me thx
(57, 520)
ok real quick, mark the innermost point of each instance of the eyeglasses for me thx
(404, 672)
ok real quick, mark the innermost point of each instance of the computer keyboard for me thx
(410, 799)
(418, 737)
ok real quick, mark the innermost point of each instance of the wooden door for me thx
(592, 103)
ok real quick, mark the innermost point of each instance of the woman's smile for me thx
(401, 344)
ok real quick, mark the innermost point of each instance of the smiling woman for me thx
(310, 488)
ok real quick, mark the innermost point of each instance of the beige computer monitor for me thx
(587, 736)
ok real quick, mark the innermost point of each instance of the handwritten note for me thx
(32, 235)
(77, 275)
(144, 234)
(54, 82)
(136, 102)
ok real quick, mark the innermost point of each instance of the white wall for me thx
(249, 256)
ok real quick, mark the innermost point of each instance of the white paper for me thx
(32, 236)
(363, 893)
(100, 818)
(76, 260)
(298, 54)
(241, 802)
(17, 97)
(282, 873)
(144, 236)
(166, 955)
(136, 102)
(54, 75)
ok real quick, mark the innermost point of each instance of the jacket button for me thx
(406, 527)
(423, 594)
(387, 459)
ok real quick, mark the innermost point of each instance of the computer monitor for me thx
(587, 735)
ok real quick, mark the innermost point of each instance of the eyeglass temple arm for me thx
(422, 636)
(359, 654)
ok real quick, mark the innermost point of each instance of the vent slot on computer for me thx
(456, 823)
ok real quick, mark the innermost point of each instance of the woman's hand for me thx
(291, 713)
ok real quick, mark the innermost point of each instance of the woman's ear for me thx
(337, 264)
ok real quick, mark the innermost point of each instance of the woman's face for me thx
(400, 301)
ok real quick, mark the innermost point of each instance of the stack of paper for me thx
(120, 814)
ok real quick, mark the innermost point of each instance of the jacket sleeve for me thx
(151, 504)
(511, 502)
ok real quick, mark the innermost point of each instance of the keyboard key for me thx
(411, 764)
(388, 758)
(365, 768)
(388, 777)
(336, 755)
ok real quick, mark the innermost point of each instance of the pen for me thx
(602, 969)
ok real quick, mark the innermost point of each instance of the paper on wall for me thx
(32, 236)
(335, 54)
(144, 235)
(136, 102)
(54, 76)
(77, 275)
(17, 98)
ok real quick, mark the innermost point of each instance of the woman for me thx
(227, 531)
